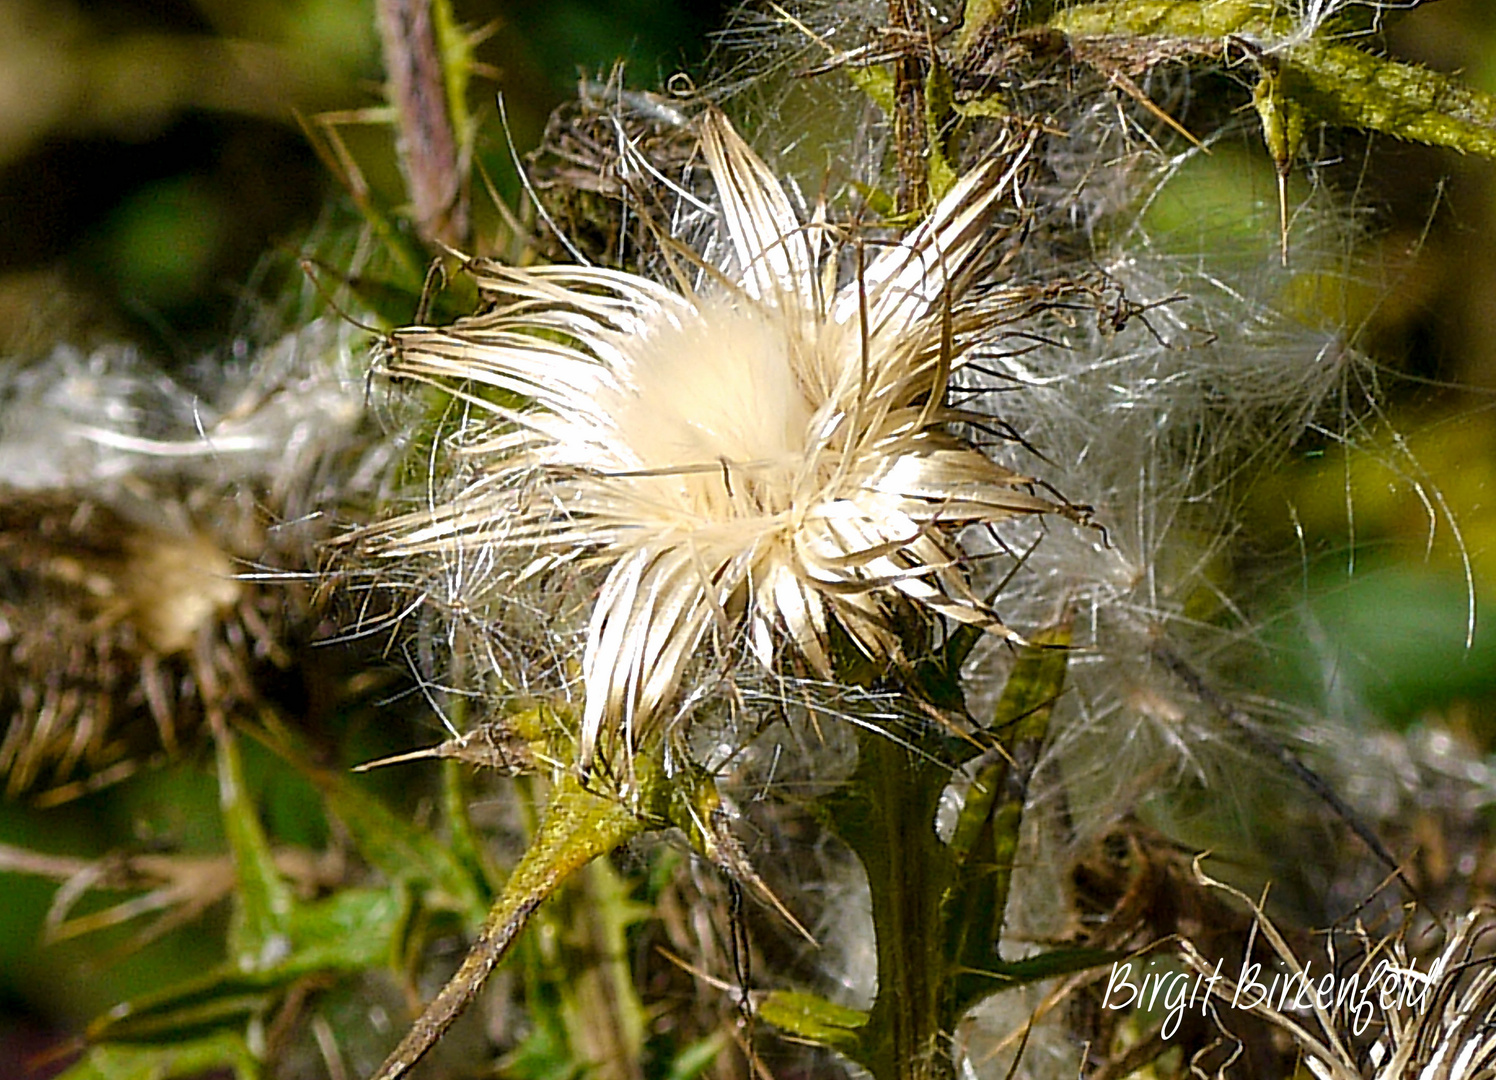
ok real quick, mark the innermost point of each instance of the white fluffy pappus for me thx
(1164, 428)
(150, 532)
(756, 453)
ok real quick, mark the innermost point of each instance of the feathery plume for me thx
(754, 452)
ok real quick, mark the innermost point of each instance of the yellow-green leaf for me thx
(816, 1020)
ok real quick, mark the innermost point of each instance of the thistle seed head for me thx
(752, 451)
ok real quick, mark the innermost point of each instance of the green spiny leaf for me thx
(1207, 20)
(579, 825)
(1022, 712)
(350, 931)
(263, 900)
(399, 849)
(1347, 86)
(581, 972)
(940, 124)
(876, 83)
(1050, 964)
(981, 983)
(985, 840)
(1307, 79)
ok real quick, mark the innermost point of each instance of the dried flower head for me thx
(130, 510)
(1378, 1015)
(751, 451)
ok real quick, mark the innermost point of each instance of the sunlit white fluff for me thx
(1306, 19)
(759, 452)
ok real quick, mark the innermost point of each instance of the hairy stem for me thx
(426, 141)
(886, 815)
(909, 104)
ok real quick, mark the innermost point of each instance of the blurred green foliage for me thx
(150, 150)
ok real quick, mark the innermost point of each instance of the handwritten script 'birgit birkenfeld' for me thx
(1354, 998)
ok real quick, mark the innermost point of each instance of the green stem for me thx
(905, 910)
(578, 827)
(908, 109)
(937, 907)
(886, 814)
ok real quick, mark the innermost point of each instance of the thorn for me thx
(487, 747)
(1134, 91)
(1283, 214)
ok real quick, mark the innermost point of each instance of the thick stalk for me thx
(911, 966)
(908, 104)
(887, 816)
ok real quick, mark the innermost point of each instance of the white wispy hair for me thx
(754, 453)
(107, 421)
(1163, 426)
(1306, 19)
